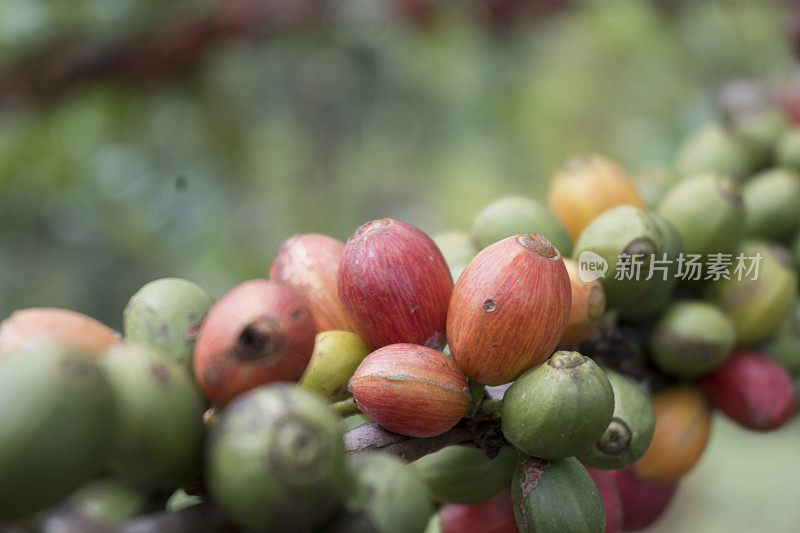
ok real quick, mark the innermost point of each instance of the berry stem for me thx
(345, 408)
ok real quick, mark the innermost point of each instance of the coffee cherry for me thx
(708, 212)
(166, 314)
(386, 497)
(643, 502)
(514, 215)
(464, 474)
(494, 515)
(691, 339)
(309, 263)
(394, 285)
(609, 496)
(276, 460)
(657, 295)
(258, 332)
(758, 304)
(336, 356)
(559, 408)
(69, 330)
(159, 438)
(618, 237)
(760, 130)
(588, 305)
(771, 201)
(712, 149)
(556, 496)
(509, 309)
(585, 187)
(753, 390)
(410, 389)
(683, 425)
(630, 431)
(58, 417)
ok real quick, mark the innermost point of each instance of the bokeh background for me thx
(141, 139)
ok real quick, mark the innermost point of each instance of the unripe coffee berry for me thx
(559, 408)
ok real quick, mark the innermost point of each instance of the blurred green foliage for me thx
(202, 177)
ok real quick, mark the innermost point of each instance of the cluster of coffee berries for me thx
(565, 381)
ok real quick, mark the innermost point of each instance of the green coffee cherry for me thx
(758, 306)
(464, 474)
(621, 232)
(759, 131)
(628, 435)
(388, 496)
(276, 460)
(772, 205)
(787, 152)
(165, 315)
(712, 149)
(160, 432)
(785, 345)
(691, 339)
(708, 212)
(457, 249)
(558, 408)
(336, 356)
(58, 415)
(659, 292)
(556, 497)
(514, 215)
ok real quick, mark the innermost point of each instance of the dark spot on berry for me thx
(160, 372)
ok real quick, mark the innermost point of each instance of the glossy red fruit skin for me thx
(495, 515)
(611, 501)
(753, 390)
(642, 501)
(258, 332)
(411, 390)
(509, 309)
(394, 285)
(309, 263)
